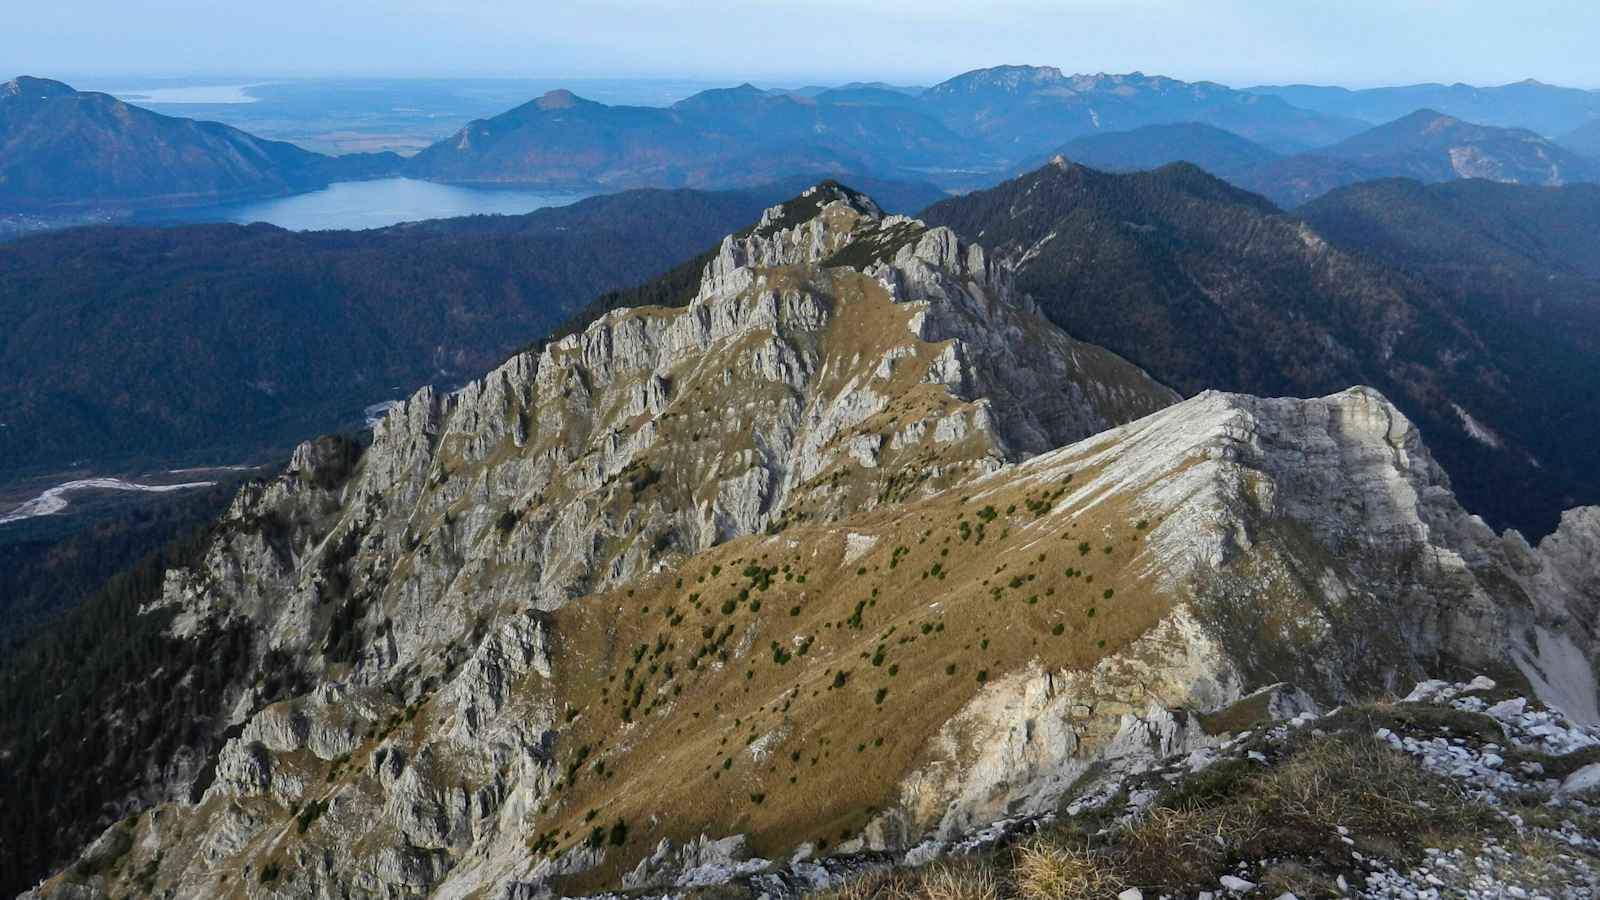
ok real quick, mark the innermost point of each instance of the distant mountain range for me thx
(1545, 108)
(952, 133)
(1426, 145)
(1021, 111)
(61, 148)
(736, 136)
(64, 149)
(1207, 286)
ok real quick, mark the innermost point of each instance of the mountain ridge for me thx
(959, 133)
(976, 121)
(1426, 145)
(1548, 109)
(62, 149)
(1206, 285)
(855, 507)
(715, 479)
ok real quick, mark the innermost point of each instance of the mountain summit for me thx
(851, 554)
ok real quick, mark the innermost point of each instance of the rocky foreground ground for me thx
(1457, 790)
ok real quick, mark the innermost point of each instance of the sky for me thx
(782, 42)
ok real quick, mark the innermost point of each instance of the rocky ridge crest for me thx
(535, 613)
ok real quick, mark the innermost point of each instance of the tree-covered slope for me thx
(1207, 286)
(164, 343)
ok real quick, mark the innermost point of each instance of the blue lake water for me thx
(368, 204)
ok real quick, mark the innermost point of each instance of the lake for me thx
(367, 204)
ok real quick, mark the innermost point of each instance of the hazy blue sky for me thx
(1354, 42)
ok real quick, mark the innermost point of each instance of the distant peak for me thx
(1434, 120)
(713, 98)
(811, 202)
(27, 85)
(1007, 77)
(828, 191)
(557, 99)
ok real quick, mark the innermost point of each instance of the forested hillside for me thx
(222, 340)
(1208, 286)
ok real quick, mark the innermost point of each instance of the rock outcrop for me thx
(853, 553)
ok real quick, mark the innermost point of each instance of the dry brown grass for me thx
(917, 617)
(1186, 846)
(1386, 800)
(962, 879)
(1362, 784)
(1049, 870)
(959, 880)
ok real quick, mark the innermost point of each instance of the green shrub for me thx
(310, 815)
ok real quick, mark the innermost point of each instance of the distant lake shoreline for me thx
(359, 205)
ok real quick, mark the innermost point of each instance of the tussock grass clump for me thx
(1188, 846)
(1043, 869)
(1363, 784)
(964, 880)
